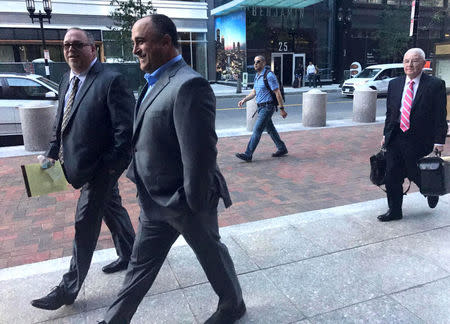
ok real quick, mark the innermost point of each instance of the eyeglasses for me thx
(257, 62)
(77, 46)
(414, 62)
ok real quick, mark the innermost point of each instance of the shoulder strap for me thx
(266, 82)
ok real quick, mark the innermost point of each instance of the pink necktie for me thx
(406, 110)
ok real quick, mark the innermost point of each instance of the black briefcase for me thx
(378, 167)
(434, 175)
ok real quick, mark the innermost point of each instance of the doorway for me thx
(284, 65)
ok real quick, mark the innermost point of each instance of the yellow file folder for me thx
(40, 181)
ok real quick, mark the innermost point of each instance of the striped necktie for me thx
(406, 110)
(66, 116)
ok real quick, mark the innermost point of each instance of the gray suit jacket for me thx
(98, 135)
(174, 146)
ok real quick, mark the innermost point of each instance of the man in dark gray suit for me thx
(92, 140)
(175, 170)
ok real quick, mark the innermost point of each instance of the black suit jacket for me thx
(98, 134)
(174, 157)
(428, 124)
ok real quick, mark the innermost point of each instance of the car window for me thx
(398, 72)
(368, 73)
(384, 74)
(24, 89)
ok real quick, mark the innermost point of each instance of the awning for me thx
(236, 5)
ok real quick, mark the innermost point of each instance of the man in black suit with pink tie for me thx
(415, 126)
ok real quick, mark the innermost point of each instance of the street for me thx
(338, 107)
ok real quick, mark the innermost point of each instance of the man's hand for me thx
(240, 103)
(438, 148)
(283, 113)
(382, 142)
(45, 161)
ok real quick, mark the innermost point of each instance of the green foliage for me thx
(393, 36)
(124, 17)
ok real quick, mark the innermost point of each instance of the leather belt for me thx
(265, 104)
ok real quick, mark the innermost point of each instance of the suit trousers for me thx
(153, 242)
(99, 199)
(402, 155)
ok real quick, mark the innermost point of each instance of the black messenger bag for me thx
(434, 172)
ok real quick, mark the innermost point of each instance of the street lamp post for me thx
(48, 14)
(344, 19)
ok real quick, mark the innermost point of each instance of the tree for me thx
(124, 17)
(393, 36)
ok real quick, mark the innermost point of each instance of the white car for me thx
(18, 89)
(376, 77)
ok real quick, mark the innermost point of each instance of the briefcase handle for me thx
(437, 153)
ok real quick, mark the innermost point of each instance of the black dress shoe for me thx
(280, 153)
(244, 157)
(227, 317)
(390, 216)
(118, 265)
(54, 300)
(432, 201)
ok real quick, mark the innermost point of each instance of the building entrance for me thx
(284, 65)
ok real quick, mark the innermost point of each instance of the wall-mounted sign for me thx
(276, 12)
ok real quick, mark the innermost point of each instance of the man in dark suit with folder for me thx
(415, 126)
(175, 170)
(92, 140)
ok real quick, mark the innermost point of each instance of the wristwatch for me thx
(282, 107)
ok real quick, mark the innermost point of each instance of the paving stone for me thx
(322, 284)
(101, 289)
(335, 234)
(275, 246)
(393, 269)
(433, 246)
(166, 308)
(431, 302)
(188, 270)
(265, 303)
(17, 294)
(382, 310)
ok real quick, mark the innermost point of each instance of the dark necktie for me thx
(66, 116)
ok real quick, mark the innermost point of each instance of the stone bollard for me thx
(37, 125)
(252, 115)
(364, 105)
(314, 112)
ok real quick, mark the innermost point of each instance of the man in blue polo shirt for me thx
(266, 108)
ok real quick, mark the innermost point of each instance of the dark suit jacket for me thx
(174, 157)
(428, 124)
(99, 131)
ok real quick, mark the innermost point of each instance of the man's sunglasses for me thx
(77, 46)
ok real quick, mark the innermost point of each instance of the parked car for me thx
(20, 89)
(376, 77)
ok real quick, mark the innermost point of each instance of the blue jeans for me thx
(264, 121)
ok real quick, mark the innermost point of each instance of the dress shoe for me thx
(389, 216)
(227, 317)
(54, 300)
(244, 157)
(118, 265)
(280, 153)
(432, 201)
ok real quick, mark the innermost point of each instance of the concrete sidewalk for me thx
(338, 265)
